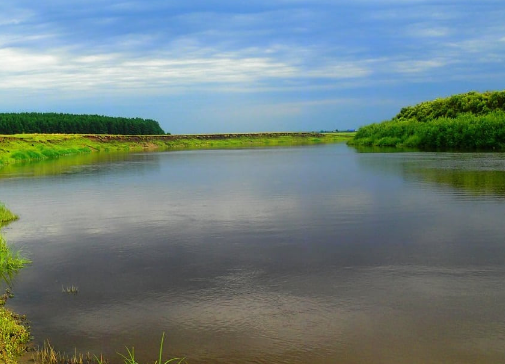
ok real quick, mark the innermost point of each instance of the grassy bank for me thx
(465, 132)
(472, 121)
(14, 334)
(31, 147)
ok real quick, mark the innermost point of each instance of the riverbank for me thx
(31, 147)
(14, 333)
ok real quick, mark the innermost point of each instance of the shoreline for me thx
(21, 148)
(14, 330)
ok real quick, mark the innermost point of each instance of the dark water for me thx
(287, 255)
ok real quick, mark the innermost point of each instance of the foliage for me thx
(467, 124)
(472, 102)
(13, 336)
(50, 123)
(6, 215)
(10, 262)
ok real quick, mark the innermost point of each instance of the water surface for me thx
(313, 254)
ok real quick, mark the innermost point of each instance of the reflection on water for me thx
(477, 174)
(289, 255)
(69, 164)
(474, 182)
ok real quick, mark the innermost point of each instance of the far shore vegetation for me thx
(471, 121)
(49, 123)
(34, 147)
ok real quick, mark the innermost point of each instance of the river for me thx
(315, 254)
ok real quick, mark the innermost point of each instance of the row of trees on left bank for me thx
(52, 123)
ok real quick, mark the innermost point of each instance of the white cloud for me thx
(9, 21)
(341, 70)
(13, 16)
(62, 69)
(418, 66)
(336, 101)
(409, 14)
(427, 31)
(129, 47)
(15, 61)
(484, 45)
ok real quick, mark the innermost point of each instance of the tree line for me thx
(57, 123)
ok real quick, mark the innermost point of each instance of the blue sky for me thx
(200, 66)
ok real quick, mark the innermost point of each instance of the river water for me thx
(317, 254)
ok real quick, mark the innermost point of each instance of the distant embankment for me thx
(31, 147)
(203, 137)
(471, 121)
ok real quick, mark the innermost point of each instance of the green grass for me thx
(471, 121)
(129, 357)
(33, 147)
(14, 335)
(464, 132)
(6, 215)
(48, 355)
(11, 262)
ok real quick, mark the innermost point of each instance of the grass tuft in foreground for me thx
(48, 355)
(129, 358)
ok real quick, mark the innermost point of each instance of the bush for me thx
(467, 121)
(467, 131)
(451, 107)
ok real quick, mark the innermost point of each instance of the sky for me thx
(211, 66)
